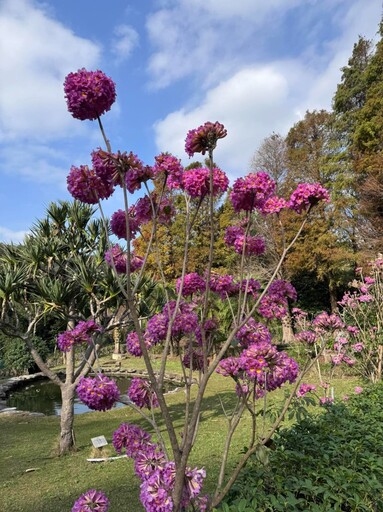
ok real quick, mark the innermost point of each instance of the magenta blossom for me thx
(325, 321)
(304, 389)
(273, 204)
(250, 286)
(358, 390)
(131, 438)
(155, 494)
(326, 400)
(81, 333)
(252, 191)
(196, 182)
(141, 393)
(118, 224)
(307, 195)
(91, 501)
(137, 174)
(133, 344)
(89, 94)
(229, 367)
(223, 285)
(99, 393)
(193, 283)
(250, 245)
(172, 169)
(204, 138)
(193, 359)
(86, 186)
(306, 337)
(119, 257)
(148, 461)
(232, 233)
(253, 332)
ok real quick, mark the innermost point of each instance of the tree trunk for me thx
(287, 328)
(67, 442)
(332, 289)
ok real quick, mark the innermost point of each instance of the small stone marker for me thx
(99, 442)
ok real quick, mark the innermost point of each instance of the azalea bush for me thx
(362, 310)
(240, 349)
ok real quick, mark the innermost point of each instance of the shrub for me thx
(328, 462)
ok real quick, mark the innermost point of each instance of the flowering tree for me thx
(245, 353)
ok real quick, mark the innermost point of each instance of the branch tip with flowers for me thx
(246, 354)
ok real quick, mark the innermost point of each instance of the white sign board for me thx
(99, 442)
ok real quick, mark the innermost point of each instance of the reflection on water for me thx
(44, 396)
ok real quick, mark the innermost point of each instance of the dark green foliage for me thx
(333, 462)
(15, 357)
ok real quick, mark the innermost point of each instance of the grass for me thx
(30, 443)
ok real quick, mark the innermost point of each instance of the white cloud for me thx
(8, 236)
(251, 104)
(209, 39)
(37, 52)
(255, 100)
(124, 42)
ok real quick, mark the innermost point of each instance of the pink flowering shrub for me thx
(190, 319)
(362, 312)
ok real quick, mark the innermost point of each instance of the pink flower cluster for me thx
(156, 490)
(147, 208)
(252, 191)
(192, 283)
(99, 393)
(223, 284)
(204, 138)
(85, 185)
(261, 364)
(91, 501)
(89, 94)
(274, 204)
(118, 224)
(141, 393)
(306, 336)
(82, 333)
(328, 322)
(274, 304)
(185, 321)
(250, 245)
(253, 332)
(156, 473)
(304, 389)
(172, 169)
(307, 195)
(196, 182)
(133, 344)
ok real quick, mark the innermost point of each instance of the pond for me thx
(44, 396)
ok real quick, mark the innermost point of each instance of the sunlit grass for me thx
(30, 443)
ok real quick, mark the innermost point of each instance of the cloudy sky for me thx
(254, 65)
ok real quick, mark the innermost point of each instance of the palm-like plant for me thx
(58, 272)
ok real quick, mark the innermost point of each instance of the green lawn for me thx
(28, 442)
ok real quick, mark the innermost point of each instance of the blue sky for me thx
(254, 65)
